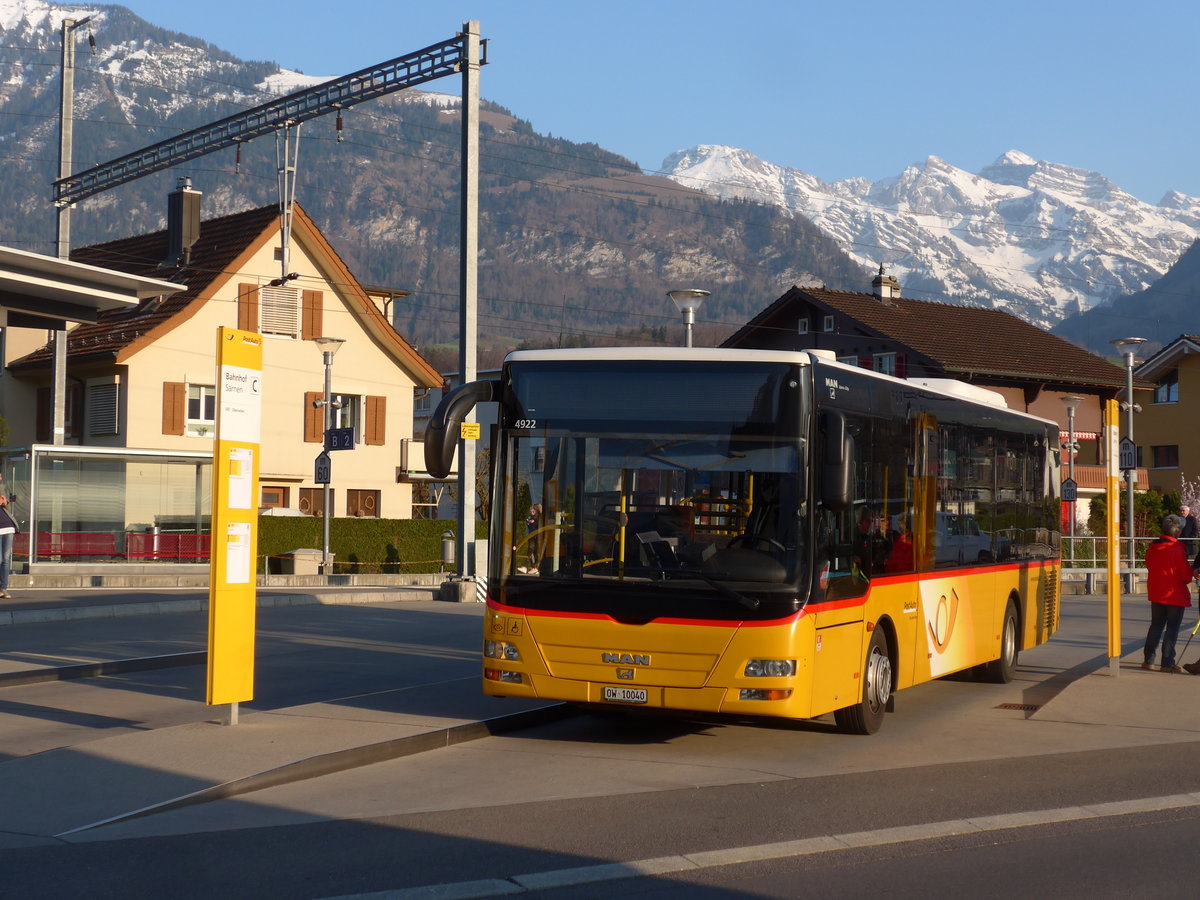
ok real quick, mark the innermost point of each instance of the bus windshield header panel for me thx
(747, 397)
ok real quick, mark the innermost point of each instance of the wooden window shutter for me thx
(174, 407)
(311, 310)
(866, 361)
(314, 418)
(901, 365)
(247, 307)
(42, 419)
(376, 424)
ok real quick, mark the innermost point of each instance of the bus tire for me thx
(866, 716)
(1002, 670)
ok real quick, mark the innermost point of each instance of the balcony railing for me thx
(1094, 478)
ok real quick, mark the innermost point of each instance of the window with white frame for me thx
(102, 406)
(884, 362)
(346, 413)
(201, 410)
(802, 326)
(827, 325)
(279, 310)
(1167, 388)
(848, 360)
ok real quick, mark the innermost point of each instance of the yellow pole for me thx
(1113, 531)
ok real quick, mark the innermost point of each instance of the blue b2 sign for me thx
(339, 439)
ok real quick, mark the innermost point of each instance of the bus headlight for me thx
(770, 668)
(501, 650)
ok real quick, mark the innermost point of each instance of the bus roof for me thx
(960, 390)
(674, 354)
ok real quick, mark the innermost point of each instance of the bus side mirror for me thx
(838, 468)
(442, 432)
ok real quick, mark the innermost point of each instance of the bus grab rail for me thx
(442, 432)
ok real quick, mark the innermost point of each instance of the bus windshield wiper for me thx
(723, 589)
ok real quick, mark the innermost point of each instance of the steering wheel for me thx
(754, 538)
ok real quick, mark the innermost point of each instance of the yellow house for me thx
(1165, 429)
(145, 377)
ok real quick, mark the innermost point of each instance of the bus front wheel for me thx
(866, 716)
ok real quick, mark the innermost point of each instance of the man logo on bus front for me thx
(626, 659)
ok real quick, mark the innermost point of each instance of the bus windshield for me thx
(696, 497)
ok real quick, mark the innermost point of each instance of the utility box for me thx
(302, 562)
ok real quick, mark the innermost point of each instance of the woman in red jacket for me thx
(1168, 587)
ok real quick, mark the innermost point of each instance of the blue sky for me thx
(835, 89)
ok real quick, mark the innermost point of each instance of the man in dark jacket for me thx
(1190, 530)
(1168, 588)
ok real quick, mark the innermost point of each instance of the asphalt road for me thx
(1040, 803)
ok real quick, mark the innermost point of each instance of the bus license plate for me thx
(625, 695)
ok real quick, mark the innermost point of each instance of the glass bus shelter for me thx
(99, 504)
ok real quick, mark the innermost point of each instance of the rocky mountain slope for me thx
(577, 245)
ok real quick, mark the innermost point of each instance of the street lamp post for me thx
(1126, 347)
(328, 347)
(687, 302)
(1071, 403)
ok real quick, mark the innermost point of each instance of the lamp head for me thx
(1127, 345)
(329, 345)
(688, 300)
(1071, 402)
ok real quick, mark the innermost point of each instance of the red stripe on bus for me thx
(809, 609)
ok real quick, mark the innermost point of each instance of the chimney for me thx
(183, 223)
(885, 287)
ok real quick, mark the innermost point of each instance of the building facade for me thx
(144, 379)
(1164, 431)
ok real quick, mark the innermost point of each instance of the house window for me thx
(201, 410)
(312, 500)
(345, 412)
(363, 504)
(102, 407)
(1166, 457)
(423, 403)
(1167, 389)
(279, 308)
(44, 413)
(884, 362)
(828, 324)
(274, 497)
(802, 326)
(848, 360)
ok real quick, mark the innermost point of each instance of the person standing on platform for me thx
(8, 527)
(1168, 588)
(1190, 530)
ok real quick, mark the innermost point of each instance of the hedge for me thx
(360, 545)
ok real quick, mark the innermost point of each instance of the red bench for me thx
(175, 547)
(68, 544)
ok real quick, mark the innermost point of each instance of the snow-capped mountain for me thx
(1041, 239)
(384, 190)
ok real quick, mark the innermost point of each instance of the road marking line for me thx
(663, 865)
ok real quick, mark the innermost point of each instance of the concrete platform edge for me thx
(343, 760)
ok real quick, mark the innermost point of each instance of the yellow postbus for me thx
(760, 533)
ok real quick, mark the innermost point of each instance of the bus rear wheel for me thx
(866, 716)
(1002, 670)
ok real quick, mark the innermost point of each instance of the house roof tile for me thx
(220, 243)
(964, 340)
